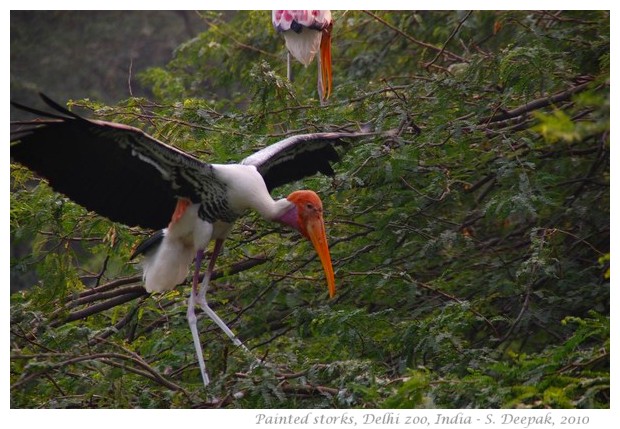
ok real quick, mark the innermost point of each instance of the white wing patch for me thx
(165, 174)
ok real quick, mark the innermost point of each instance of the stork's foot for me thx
(202, 302)
(192, 320)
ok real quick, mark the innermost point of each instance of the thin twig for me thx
(215, 27)
(129, 77)
(427, 65)
(452, 298)
(417, 42)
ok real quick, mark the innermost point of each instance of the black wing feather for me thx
(148, 245)
(299, 156)
(115, 170)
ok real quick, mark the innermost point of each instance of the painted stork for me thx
(305, 31)
(122, 173)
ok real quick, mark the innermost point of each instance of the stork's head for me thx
(307, 218)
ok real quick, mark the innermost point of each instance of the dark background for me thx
(96, 54)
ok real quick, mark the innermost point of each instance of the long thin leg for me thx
(319, 81)
(191, 318)
(202, 298)
(289, 67)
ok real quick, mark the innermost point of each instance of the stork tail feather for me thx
(148, 245)
(167, 264)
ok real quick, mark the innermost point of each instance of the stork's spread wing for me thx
(115, 170)
(297, 157)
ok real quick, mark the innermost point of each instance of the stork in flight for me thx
(305, 31)
(122, 173)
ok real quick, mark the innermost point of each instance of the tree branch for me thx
(535, 104)
(148, 372)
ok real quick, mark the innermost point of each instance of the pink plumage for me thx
(313, 19)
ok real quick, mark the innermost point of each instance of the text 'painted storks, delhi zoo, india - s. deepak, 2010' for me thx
(122, 173)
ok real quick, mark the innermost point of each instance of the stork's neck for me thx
(281, 210)
(247, 190)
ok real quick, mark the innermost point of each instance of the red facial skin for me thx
(311, 225)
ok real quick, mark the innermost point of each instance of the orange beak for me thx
(315, 231)
(326, 62)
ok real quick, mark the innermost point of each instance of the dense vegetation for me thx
(470, 238)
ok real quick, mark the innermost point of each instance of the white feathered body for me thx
(167, 265)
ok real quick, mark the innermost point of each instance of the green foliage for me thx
(470, 237)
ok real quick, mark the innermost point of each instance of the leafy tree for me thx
(470, 239)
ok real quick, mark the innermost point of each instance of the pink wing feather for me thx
(283, 20)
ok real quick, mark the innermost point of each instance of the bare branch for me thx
(417, 42)
(456, 30)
